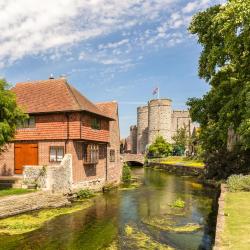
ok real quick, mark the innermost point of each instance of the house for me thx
(63, 121)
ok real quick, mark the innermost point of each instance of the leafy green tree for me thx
(126, 174)
(10, 114)
(181, 139)
(224, 33)
(160, 148)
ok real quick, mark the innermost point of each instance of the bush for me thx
(222, 164)
(126, 174)
(160, 148)
(238, 183)
(84, 194)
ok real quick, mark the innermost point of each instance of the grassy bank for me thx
(28, 222)
(14, 191)
(237, 221)
(179, 160)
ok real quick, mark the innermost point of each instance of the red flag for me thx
(155, 91)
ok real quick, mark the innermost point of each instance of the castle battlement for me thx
(158, 118)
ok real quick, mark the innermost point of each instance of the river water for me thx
(117, 219)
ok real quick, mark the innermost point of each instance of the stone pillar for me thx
(160, 119)
(142, 129)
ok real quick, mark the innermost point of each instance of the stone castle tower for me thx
(158, 118)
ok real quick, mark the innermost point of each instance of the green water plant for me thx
(167, 224)
(179, 203)
(29, 222)
(136, 239)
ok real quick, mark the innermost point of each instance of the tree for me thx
(160, 148)
(224, 33)
(10, 114)
(180, 139)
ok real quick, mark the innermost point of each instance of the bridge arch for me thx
(133, 159)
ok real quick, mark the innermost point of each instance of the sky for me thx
(108, 49)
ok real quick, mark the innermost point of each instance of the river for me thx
(132, 219)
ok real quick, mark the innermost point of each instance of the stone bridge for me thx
(136, 159)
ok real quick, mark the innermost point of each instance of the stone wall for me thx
(142, 129)
(133, 139)
(180, 119)
(35, 175)
(59, 178)
(55, 178)
(178, 169)
(159, 116)
(16, 204)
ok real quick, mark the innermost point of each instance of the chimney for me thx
(51, 76)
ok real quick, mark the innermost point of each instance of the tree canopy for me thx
(160, 148)
(224, 34)
(10, 114)
(181, 140)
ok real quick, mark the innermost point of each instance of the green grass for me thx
(237, 222)
(14, 191)
(28, 222)
(183, 161)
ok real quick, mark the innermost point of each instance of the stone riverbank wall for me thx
(220, 218)
(17, 204)
(177, 169)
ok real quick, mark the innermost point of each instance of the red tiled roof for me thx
(108, 108)
(52, 95)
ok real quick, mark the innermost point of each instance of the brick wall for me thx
(114, 168)
(44, 151)
(50, 126)
(88, 133)
(56, 127)
(82, 172)
(7, 160)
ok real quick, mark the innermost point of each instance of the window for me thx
(96, 123)
(90, 153)
(28, 123)
(102, 151)
(112, 155)
(56, 154)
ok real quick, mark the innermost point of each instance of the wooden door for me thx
(25, 154)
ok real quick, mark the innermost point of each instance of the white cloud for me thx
(114, 45)
(51, 28)
(29, 27)
(198, 5)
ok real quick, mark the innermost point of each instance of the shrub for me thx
(160, 148)
(222, 164)
(238, 183)
(84, 194)
(126, 174)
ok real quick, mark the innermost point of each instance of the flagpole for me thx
(158, 93)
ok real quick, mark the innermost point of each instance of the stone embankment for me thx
(177, 169)
(220, 218)
(17, 204)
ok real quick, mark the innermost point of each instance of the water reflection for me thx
(104, 223)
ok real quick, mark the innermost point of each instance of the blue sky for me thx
(108, 49)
